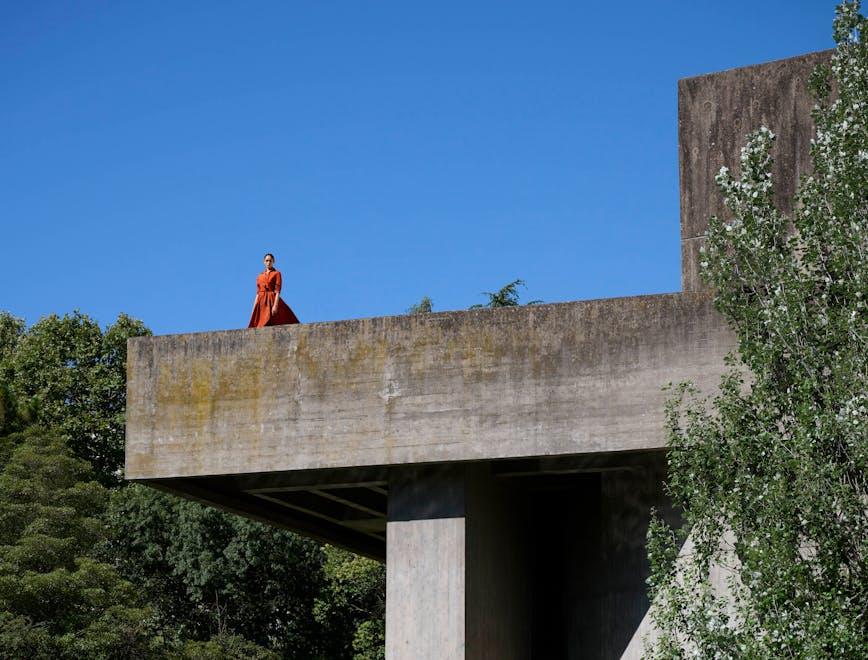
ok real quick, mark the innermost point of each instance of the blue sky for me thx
(150, 153)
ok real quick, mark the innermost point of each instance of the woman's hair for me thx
(268, 254)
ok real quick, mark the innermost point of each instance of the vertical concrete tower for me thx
(503, 462)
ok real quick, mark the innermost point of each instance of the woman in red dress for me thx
(268, 308)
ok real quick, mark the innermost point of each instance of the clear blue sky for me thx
(150, 153)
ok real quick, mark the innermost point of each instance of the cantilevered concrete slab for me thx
(301, 425)
(504, 462)
(543, 380)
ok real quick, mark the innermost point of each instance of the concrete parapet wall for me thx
(544, 380)
(715, 114)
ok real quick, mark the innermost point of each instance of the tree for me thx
(219, 577)
(207, 584)
(507, 296)
(67, 374)
(352, 605)
(12, 415)
(772, 474)
(11, 330)
(226, 647)
(424, 306)
(210, 573)
(55, 601)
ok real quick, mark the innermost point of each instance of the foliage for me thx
(424, 306)
(226, 647)
(54, 600)
(207, 584)
(506, 296)
(369, 642)
(772, 474)
(12, 416)
(11, 330)
(215, 575)
(66, 373)
(211, 573)
(352, 605)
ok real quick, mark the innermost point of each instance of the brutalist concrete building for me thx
(502, 462)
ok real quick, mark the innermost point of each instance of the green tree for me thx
(210, 573)
(369, 642)
(12, 415)
(424, 306)
(226, 647)
(772, 474)
(67, 374)
(55, 601)
(11, 330)
(221, 582)
(506, 296)
(352, 605)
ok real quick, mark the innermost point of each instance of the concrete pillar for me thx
(425, 565)
(456, 579)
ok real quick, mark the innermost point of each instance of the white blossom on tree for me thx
(772, 473)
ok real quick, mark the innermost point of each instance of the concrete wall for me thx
(499, 585)
(715, 113)
(485, 565)
(543, 380)
(589, 563)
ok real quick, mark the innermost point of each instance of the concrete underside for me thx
(521, 565)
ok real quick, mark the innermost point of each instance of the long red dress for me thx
(267, 287)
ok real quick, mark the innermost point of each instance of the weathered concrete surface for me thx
(425, 590)
(715, 113)
(458, 566)
(426, 570)
(544, 380)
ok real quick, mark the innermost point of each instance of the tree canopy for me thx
(507, 296)
(55, 600)
(67, 374)
(772, 473)
(93, 567)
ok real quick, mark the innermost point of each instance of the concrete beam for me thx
(546, 380)
(352, 534)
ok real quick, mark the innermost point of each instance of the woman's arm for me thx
(278, 281)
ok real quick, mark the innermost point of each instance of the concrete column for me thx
(457, 584)
(425, 565)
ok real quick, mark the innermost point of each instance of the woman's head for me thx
(268, 260)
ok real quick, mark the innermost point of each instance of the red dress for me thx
(267, 287)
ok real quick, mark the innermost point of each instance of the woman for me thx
(268, 308)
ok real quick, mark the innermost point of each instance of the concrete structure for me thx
(715, 112)
(503, 462)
